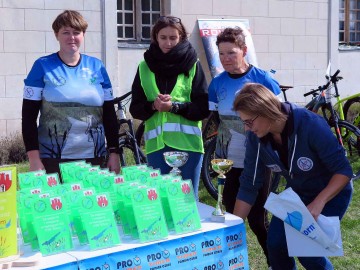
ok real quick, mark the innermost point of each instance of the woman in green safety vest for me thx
(169, 93)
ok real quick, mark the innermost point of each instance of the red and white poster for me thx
(210, 28)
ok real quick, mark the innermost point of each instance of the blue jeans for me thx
(191, 170)
(276, 242)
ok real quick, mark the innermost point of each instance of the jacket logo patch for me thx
(274, 167)
(29, 92)
(305, 164)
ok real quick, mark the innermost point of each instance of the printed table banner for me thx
(210, 28)
(219, 249)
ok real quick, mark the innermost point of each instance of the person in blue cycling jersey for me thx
(231, 136)
(73, 93)
(299, 145)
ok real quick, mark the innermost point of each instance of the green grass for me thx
(350, 228)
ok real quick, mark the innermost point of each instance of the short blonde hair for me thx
(70, 18)
(256, 99)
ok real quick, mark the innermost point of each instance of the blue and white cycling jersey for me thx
(70, 124)
(222, 91)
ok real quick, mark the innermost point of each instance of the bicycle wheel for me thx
(127, 154)
(208, 175)
(352, 111)
(211, 126)
(351, 139)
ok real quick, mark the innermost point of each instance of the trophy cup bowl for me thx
(221, 166)
(175, 159)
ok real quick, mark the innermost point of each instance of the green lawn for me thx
(350, 228)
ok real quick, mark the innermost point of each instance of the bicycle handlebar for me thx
(333, 79)
(313, 91)
(121, 98)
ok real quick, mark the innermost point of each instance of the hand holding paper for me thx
(288, 207)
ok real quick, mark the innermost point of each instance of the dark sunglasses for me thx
(249, 123)
(170, 19)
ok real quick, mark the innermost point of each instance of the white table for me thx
(214, 244)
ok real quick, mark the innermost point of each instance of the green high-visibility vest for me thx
(165, 128)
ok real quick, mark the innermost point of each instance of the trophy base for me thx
(218, 219)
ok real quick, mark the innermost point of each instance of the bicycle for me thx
(129, 151)
(348, 134)
(348, 108)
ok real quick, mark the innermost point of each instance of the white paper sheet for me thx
(300, 245)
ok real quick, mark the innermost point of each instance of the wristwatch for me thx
(175, 106)
(113, 150)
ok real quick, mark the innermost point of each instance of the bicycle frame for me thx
(340, 104)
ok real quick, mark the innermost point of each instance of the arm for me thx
(333, 158)
(110, 123)
(242, 209)
(111, 133)
(140, 108)
(336, 184)
(30, 111)
(35, 162)
(249, 185)
(198, 108)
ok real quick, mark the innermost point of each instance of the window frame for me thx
(346, 44)
(137, 42)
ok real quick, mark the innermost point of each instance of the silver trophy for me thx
(221, 166)
(175, 159)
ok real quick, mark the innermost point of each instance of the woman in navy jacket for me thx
(299, 145)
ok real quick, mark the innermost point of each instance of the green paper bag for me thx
(27, 197)
(67, 171)
(51, 224)
(98, 220)
(149, 215)
(51, 180)
(118, 203)
(165, 202)
(74, 199)
(128, 210)
(31, 179)
(183, 207)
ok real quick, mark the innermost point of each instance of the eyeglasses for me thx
(249, 123)
(170, 19)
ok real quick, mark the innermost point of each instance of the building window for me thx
(135, 19)
(349, 23)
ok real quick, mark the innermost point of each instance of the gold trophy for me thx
(221, 166)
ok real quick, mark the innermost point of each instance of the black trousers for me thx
(257, 218)
(52, 164)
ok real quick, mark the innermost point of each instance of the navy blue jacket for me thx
(314, 156)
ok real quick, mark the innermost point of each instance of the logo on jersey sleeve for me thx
(28, 92)
(305, 164)
(274, 167)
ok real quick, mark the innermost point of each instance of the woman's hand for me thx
(162, 103)
(315, 207)
(114, 163)
(35, 161)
